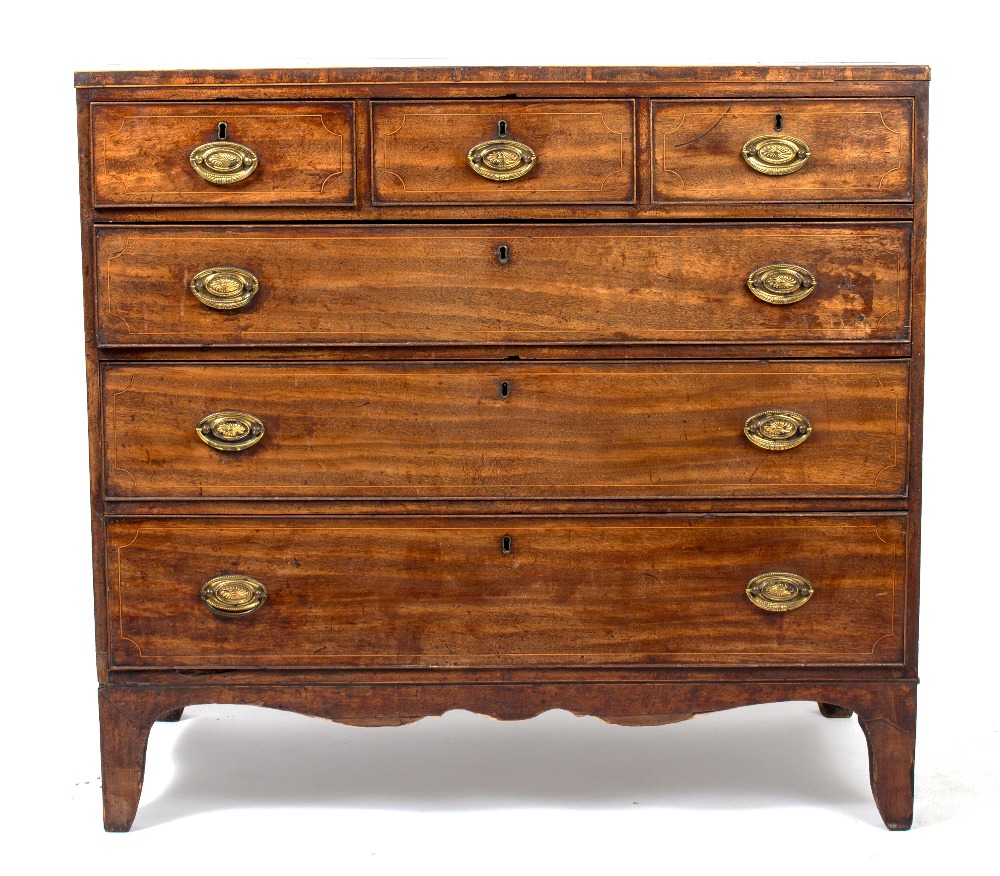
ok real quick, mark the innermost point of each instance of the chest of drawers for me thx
(505, 390)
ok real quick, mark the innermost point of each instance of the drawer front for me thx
(492, 284)
(506, 430)
(453, 592)
(858, 150)
(300, 153)
(584, 152)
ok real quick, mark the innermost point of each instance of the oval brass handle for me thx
(223, 162)
(225, 288)
(776, 154)
(502, 160)
(230, 430)
(781, 283)
(779, 591)
(777, 430)
(233, 595)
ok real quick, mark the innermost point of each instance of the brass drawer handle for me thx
(777, 430)
(225, 288)
(779, 591)
(776, 154)
(223, 162)
(781, 284)
(230, 430)
(502, 159)
(233, 595)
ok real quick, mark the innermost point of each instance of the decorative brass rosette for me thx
(777, 430)
(223, 162)
(781, 284)
(233, 595)
(779, 591)
(225, 288)
(776, 154)
(230, 430)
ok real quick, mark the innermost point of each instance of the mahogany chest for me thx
(505, 390)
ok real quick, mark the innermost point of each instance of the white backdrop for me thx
(462, 793)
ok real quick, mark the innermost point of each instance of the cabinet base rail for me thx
(887, 712)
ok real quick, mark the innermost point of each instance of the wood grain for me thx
(441, 592)
(861, 150)
(480, 77)
(402, 438)
(585, 149)
(563, 431)
(607, 284)
(141, 153)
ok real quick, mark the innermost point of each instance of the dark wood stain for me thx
(443, 591)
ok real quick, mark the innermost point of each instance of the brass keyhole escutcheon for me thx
(502, 159)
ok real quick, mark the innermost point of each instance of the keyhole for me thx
(223, 129)
(504, 389)
(777, 122)
(506, 544)
(502, 128)
(503, 254)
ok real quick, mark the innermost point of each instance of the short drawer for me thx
(506, 591)
(493, 285)
(555, 151)
(507, 430)
(789, 150)
(242, 153)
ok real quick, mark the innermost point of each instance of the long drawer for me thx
(507, 430)
(502, 284)
(506, 591)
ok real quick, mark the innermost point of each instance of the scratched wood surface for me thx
(142, 153)
(442, 591)
(483, 77)
(410, 284)
(561, 431)
(861, 150)
(585, 150)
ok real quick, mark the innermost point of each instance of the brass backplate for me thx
(233, 595)
(779, 591)
(502, 160)
(225, 288)
(776, 154)
(230, 430)
(223, 162)
(777, 430)
(781, 283)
